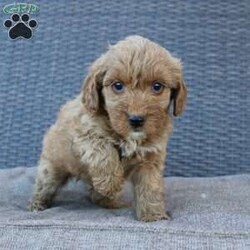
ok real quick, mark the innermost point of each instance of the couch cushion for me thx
(206, 212)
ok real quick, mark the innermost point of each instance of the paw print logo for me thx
(20, 26)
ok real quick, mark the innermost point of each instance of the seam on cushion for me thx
(133, 230)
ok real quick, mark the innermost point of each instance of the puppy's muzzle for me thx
(136, 121)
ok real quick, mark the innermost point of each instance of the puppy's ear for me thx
(92, 87)
(179, 94)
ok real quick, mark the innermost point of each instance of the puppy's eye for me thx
(118, 87)
(157, 87)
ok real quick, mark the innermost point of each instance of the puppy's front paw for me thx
(113, 204)
(108, 187)
(106, 202)
(150, 217)
(36, 206)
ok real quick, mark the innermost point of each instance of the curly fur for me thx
(92, 129)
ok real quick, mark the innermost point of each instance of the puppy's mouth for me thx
(137, 134)
(136, 123)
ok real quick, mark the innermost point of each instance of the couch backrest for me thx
(211, 37)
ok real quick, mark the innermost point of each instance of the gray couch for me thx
(208, 164)
(207, 213)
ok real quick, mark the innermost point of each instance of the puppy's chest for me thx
(132, 154)
(130, 163)
(131, 148)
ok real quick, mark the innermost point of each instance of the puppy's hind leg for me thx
(48, 182)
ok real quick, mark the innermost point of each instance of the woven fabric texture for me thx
(211, 37)
(206, 214)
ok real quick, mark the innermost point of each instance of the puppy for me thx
(117, 128)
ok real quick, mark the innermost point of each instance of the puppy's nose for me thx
(136, 121)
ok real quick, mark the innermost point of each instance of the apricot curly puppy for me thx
(117, 128)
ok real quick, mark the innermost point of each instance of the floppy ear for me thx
(92, 88)
(179, 95)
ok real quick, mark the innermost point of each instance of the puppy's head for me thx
(134, 83)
